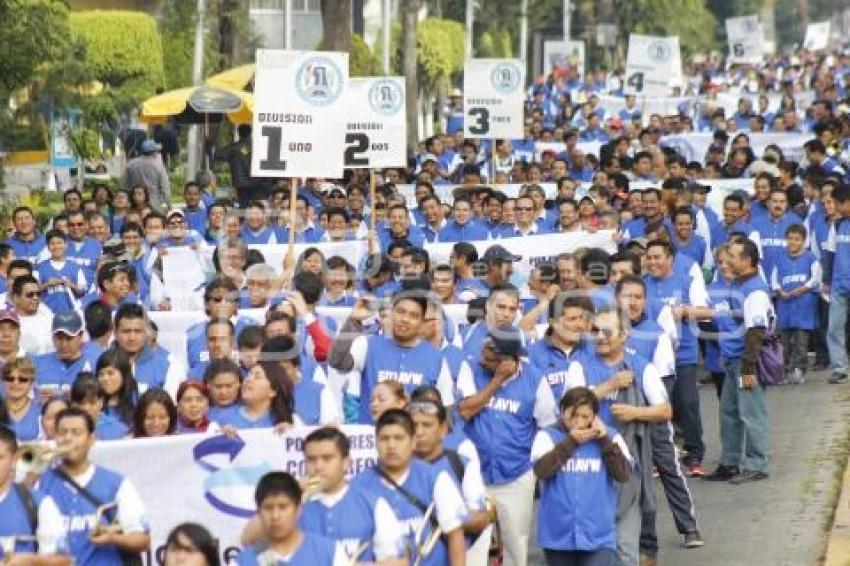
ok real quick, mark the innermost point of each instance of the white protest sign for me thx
(746, 40)
(211, 479)
(493, 98)
(817, 36)
(300, 113)
(564, 54)
(376, 131)
(653, 65)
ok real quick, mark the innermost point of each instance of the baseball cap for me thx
(499, 253)
(68, 323)
(429, 157)
(336, 192)
(9, 316)
(176, 212)
(150, 146)
(506, 341)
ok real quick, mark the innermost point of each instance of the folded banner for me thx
(211, 479)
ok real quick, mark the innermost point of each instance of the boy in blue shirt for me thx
(61, 280)
(578, 462)
(795, 281)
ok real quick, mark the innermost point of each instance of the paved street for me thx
(780, 521)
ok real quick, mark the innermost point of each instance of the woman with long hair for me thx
(156, 415)
(192, 406)
(191, 544)
(115, 375)
(267, 399)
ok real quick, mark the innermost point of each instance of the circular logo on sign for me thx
(385, 97)
(659, 51)
(750, 26)
(505, 77)
(318, 81)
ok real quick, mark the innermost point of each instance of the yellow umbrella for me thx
(237, 78)
(199, 105)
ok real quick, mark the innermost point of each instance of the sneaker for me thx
(797, 377)
(722, 473)
(747, 476)
(655, 473)
(693, 539)
(648, 560)
(837, 377)
(695, 469)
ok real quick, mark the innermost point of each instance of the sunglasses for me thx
(19, 379)
(607, 333)
(32, 295)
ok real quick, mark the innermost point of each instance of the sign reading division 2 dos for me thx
(376, 131)
(493, 98)
(299, 113)
(653, 65)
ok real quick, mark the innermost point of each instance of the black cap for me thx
(499, 253)
(506, 341)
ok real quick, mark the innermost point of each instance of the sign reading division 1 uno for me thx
(299, 113)
(376, 131)
(653, 65)
(493, 98)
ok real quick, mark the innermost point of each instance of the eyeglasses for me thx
(176, 222)
(76, 224)
(17, 378)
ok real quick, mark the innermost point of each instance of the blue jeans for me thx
(743, 422)
(836, 335)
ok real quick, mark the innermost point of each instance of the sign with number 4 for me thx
(653, 65)
(493, 98)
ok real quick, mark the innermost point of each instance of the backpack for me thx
(770, 360)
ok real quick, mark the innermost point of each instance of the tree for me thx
(336, 25)
(34, 32)
(409, 58)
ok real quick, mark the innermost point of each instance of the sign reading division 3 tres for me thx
(376, 129)
(653, 65)
(493, 98)
(299, 113)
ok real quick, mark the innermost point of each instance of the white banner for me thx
(817, 36)
(746, 41)
(300, 114)
(211, 479)
(693, 146)
(376, 132)
(564, 54)
(493, 98)
(653, 65)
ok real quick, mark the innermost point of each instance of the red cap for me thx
(9, 316)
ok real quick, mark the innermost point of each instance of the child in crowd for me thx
(88, 395)
(578, 462)
(796, 281)
(223, 380)
(62, 281)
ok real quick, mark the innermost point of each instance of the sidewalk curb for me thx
(838, 539)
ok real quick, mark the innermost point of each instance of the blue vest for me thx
(469, 232)
(734, 344)
(50, 370)
(151, 367)
(308, 400)
(387, 361)
(553, 363)
(643, 338)
(26, 429)
(224, 415)
(504, 430)
(694, 248)
(350, 522)
(30, 251)
(314, 550)
(772, 238)
(85, 254)
(80, 514)
(58, 298)
(196, 219)
(420, 481)
(110, 427)
(578, 505)
(841, 261)
(196, 339)
(719, 296)
(240, 419)
(262, 236)
(14, 520)
(672, 291)
(796, 312)
(596, 372)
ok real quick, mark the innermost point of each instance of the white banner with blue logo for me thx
(300, 113)
(653, 65)
(376, 131)
(210, 479)
(493, 98)
(746, 39)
